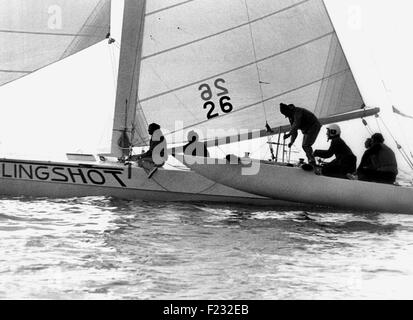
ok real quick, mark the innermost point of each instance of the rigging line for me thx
(403, 133)
(255, 59)
(399, 147)
(406, 157)
(225, 31)
(267, 99)
(388, 130)
(239, 67)
(366, 125)
(378, 124)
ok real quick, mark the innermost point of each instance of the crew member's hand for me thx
(290, 145)
(286, 136)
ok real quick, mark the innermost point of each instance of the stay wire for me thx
(404, 135)
(255, 59)
(399, 147)
(366, 125)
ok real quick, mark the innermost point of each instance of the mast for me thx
(128, 77)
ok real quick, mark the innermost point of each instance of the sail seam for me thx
(167, 8)
(224, 31)
(237, 68)
(50, 33)
(16, 71)
(267, 99)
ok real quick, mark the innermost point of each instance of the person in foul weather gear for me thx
(345, 161)
(307, 122)
(366, 159)
(379, 162)
(194, 147)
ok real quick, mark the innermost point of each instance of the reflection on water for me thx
(102, 248)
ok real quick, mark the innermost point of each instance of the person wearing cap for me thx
(345, 161)
(307, 122)
(194, 147)
(156, 156)
(379, 162)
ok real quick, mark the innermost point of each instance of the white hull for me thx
(295, 184)
(72, 179)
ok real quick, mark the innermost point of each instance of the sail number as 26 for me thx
(222, 94)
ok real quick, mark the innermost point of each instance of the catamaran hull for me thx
(295, 184)
(67, 180)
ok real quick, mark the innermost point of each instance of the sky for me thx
(68, 106)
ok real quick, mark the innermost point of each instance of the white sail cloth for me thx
(36, 33)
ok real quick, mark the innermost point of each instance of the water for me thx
(102, 248)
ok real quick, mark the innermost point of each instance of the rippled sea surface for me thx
(103, 248)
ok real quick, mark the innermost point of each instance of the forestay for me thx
(213, 64)
(36, 33)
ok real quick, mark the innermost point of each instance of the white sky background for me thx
(68, 106)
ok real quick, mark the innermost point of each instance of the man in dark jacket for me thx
(345, 161)
(156, 156)
(378, 163)
(307, 122)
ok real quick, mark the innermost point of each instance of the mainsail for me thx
(36, 33)
(216, 65)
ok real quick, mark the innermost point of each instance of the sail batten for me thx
(35, 34)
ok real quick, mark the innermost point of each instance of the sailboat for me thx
(35, 34)
(217, 67)
(296, 58)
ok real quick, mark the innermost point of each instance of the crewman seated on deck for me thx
(378, 163)
(345, 161)
(156, 156)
